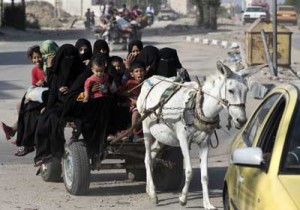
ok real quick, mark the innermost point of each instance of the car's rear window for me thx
(254, 9)
(290, 9)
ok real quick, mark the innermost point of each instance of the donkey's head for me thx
(233, 94)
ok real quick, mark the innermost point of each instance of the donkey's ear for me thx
(223, 69)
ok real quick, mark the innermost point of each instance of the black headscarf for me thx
(133, 43)
(87, 54)
(168, 62)
(150, 57)
(100, 44)
(67, 65)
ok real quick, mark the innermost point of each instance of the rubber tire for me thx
(76, 176)
(53, 171)
(226, 199)
(167, 179)
(135, 174)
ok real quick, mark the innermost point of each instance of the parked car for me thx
(287, 14)
(254, 12)
(167, 14)
(264, 172)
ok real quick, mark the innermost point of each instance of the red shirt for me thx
(94, 79)
(37, 74)
(134, 94)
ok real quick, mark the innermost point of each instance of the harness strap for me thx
(200, 121)
(166, 96)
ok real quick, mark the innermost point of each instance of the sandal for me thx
(22, 151)
(38, 164)
(8, 131)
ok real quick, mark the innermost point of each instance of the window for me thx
(291, 9)
(268, 136)
(255, 9)
(253, 126)
(291, 152)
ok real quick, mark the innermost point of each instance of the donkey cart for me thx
(76, 165)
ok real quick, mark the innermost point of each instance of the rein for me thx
(222, 101)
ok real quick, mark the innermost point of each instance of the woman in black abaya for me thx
(170, 66)
(149, 55)
(95, 115)
(49, 134)
(85, 50)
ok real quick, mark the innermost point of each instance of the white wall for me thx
(73, 7)
(179, 6)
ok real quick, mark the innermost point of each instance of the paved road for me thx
(198, 59)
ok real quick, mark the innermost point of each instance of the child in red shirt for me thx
(37, 80)
(99, 76)
(37, 73)
(132, 89)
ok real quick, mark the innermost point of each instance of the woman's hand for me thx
(64, 89)
(128, 60)
(50, 61)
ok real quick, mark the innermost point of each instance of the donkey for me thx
(169, 125)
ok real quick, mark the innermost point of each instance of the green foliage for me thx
(295, 3)
(223, 12)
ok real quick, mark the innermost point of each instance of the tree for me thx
(208, 10)
(295, 3)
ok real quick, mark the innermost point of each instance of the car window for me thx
(291, 9)
(255, 9)
(291, 152)
(269, 132)
(250, 131)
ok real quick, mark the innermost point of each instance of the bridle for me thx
(224, 101)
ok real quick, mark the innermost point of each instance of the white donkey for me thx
(169, 126)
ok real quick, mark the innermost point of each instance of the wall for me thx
(179, 6)
(75, 7)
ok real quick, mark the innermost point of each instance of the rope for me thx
(217, 139)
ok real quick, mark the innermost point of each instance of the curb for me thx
(213, 42)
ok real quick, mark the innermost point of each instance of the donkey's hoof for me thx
(182, 200)
(210, 207)
(182, 203)
(155, 200)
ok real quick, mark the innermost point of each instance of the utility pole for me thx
(81, 8)
(275, 36)
(1, 12)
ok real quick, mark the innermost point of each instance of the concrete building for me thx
(74, 7)
(181, 6)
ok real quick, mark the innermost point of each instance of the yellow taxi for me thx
(264, 170)
(287, 14)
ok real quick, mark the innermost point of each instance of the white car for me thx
(254, 12)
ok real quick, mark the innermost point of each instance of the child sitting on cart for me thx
(132, 90)
(99, 76)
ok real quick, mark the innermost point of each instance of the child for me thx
(132, 89)
(37, 80)
(35, 91)
(116, 71)
(99, 76)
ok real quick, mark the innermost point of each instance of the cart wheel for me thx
(169, 178)
(76, 168)
(135, 174)
(226, 202)
(52, 171)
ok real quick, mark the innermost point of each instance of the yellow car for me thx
(287, 14)
(264, 172)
